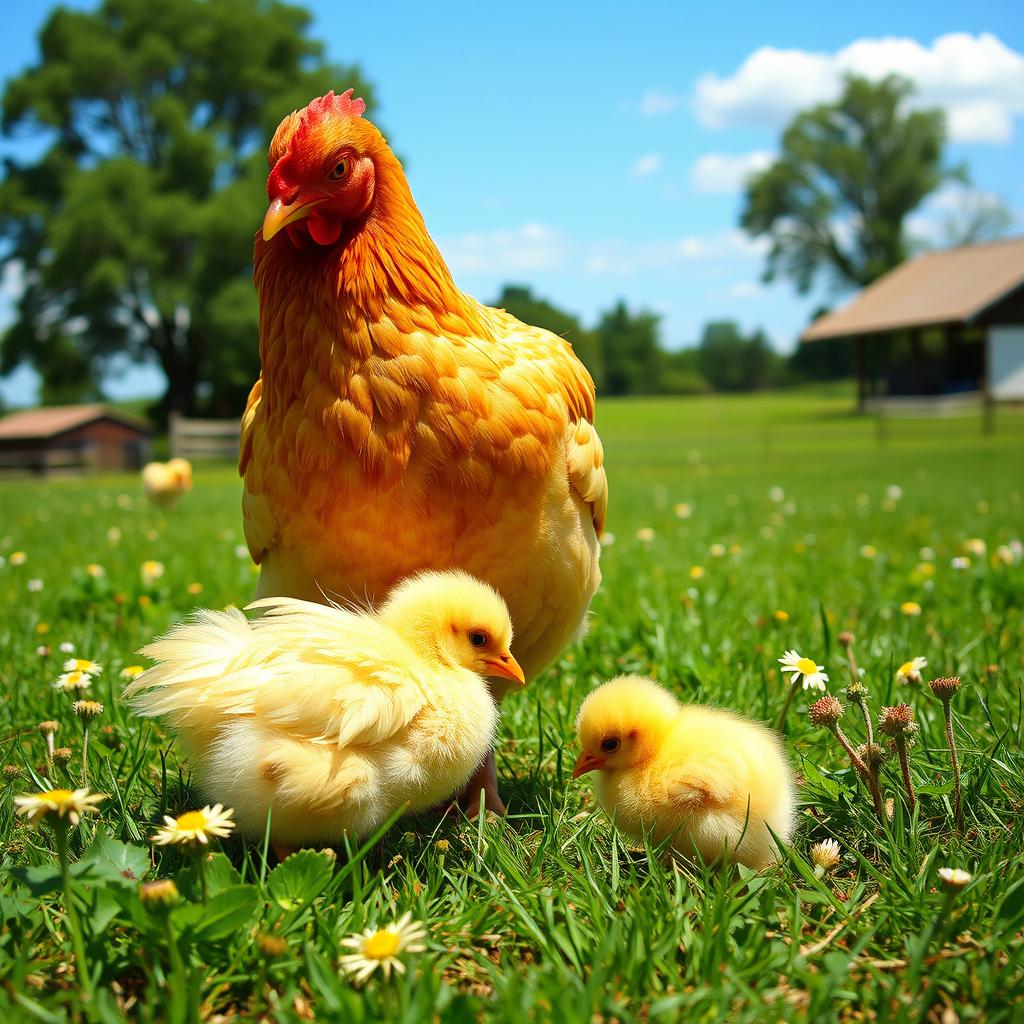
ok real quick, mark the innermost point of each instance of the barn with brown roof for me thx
(949, 322)
(72, 439)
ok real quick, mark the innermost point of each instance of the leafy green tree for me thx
(729, 361)
(630, 350)
(835, 201)
(135, 225)
(524, 305)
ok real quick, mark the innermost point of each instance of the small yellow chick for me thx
(713, 780)
(334, 719)
(165, 482)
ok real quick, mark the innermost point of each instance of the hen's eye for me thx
(610, 745)
(340, 168)
(477, 638)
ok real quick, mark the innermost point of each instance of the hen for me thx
(398, 424)
(331, 719)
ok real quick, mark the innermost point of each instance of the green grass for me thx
(548, 915)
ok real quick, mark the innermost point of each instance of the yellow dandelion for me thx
(42, 628)
(381, 947)
(194, 588)
(144, 600)
(151, 571)
(194, 828)
(780, 616)
(696, 572)
(95, 571)
(868, 550)
(975, 546)
(18, 558)
(683, 510)
(910, 608)
(645, 534)
(58, 803)
(735, 549)
(718, 550)
(130, 672)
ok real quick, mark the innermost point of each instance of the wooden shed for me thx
(72, 439)
(945, 325)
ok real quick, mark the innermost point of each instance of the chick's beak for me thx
(586, 762)
(507, 666)
(280, 214)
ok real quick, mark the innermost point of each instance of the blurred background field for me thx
(741, 528)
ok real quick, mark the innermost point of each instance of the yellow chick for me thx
(710, 779)
(165, 482)
(334, 719)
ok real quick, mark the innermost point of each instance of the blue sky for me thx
(596, 154)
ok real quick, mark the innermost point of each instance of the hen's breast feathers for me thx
(415, 406)
(317, 673)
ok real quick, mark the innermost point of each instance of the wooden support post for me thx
(862, 383)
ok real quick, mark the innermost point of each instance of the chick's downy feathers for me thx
(333, 719)
(710, 781)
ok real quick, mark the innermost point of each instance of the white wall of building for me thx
(1006, 362)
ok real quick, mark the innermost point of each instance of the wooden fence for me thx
(204, 439)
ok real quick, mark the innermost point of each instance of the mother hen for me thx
(398, 424)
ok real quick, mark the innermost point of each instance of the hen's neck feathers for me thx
(386, 266)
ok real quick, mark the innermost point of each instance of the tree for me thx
(633, 360)
(525, 306)
(834, 203)
(134, 227)
(729, 361)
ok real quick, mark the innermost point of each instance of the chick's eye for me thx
(610, 745)
(478, 638)
(340, 169)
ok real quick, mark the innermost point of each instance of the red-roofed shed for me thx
(72, 438)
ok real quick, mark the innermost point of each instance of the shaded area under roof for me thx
(53, 420)
(950, 286)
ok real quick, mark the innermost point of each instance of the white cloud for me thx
(977, 80)
(746, 290)
(527, 248)
(656, 103)
(724, 172)
(648, 164)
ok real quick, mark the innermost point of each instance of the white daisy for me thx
(196, 827)
(62, 803)
(910, 671)
(75, 680)
(90, 668)
(814, 677)
(380, 947)
(825, 855)
(954, 879)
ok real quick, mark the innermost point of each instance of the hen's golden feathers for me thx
(333, 719)
(707, 780)
(398, 424)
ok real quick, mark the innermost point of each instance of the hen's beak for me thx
(507, 666)
(586, 762)
(280, 215)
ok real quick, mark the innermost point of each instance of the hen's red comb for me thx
(334, 106)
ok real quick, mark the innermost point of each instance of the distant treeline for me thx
(625, 355)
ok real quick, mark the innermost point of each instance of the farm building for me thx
(943, 327)
(72, 439)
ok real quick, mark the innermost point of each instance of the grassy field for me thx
(742, 527)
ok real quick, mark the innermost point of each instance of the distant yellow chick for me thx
(165, 482)
(334, 719)
(712, 780)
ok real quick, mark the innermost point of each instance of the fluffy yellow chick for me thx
(335, 719)
(712, 780)
(165, 482)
